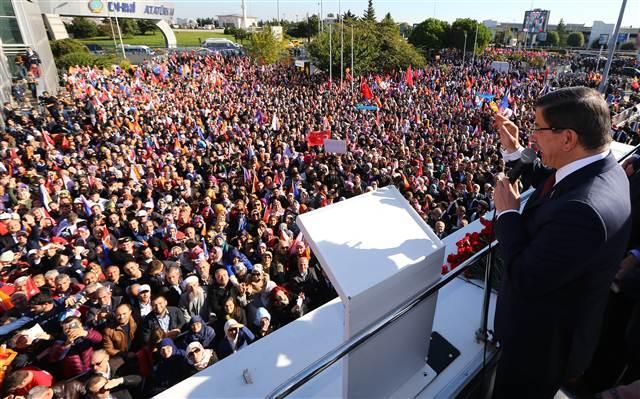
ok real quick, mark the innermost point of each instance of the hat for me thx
(148, 205)
(7, 257)
(231, 323)
(141, 213)
(257, 268)
(261, 313)
(143, 288)
(123, 240)
(5, 216)
(189, 280)
(238, 267)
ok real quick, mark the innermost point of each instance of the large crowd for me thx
(147, 216)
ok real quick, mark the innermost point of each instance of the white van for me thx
(131, 49)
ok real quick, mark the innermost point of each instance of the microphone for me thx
(526, 158)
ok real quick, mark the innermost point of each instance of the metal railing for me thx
(326, 361)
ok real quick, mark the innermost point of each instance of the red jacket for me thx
(76, 359)
(40, 377)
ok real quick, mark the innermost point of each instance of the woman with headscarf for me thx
(199, 358)
(170, 366)
(237, 336)
(200, 332)
(262, 323)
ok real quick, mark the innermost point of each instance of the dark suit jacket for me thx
(150, 322)
(560, 256)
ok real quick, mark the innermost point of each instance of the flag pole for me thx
(330, 58)
(353, 73)
(341, 44)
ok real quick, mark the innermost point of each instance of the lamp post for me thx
(612, 47)
(475, 40)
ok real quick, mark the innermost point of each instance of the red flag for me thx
(267, 214)
(317, 138)
(409, 76)
(365, 90)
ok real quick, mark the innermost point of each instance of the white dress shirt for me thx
(561, 173)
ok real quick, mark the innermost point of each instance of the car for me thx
(95, 49)
(631, 72)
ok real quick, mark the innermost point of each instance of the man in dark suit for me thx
(562, 251)
(168, 318)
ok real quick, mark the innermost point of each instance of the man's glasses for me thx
(553, 129)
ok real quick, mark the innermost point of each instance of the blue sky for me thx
(413, 11)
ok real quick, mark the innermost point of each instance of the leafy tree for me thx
(146, 25)
(575, 39)
(553, 39)
(562, 32)
(265, 48)
(462, 25)
(430, 34)
(82, 27)
(305, 28)
(376, 48)
(388, 20)
(369, 13)
(128, 26)
(349, 17)
(66, 46)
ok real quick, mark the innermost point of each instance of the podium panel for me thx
(378, 253)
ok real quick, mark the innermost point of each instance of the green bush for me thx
(73, 59)
(105, 61)
(66, 46)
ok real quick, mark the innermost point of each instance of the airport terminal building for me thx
(32, 23)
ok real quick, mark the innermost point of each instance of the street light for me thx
(464, 51)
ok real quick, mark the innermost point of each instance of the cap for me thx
(144, 288)
(7, 257)
(257, 268)
(189, 280)
(148, 205)
(5, 216)
(141, 213)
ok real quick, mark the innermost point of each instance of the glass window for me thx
(6, 8)
(9, 31)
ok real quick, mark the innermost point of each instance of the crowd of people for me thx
(147, 216)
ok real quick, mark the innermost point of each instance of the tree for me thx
(388, 20)
(575, 39)
(128, 26)
(146, 25)
(430, 34)
(82, 27)
(405, 29)
(629, 46)
(378, 48)
(349, 17)
(305, 28)
(462, 25)
(553, 39)
(265, 48)
(369, 13)
(562, 32)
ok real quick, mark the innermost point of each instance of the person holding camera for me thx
(74, 353)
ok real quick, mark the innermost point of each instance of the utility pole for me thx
(278, 10)
(113, 34)
(321, 17)
(612, 47)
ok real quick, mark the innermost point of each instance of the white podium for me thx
(378, 253)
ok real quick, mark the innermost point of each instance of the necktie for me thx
(548, 185)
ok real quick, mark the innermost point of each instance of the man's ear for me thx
(571, 140)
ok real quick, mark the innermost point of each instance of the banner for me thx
(363, 107)
(317, 138)
(335, 146)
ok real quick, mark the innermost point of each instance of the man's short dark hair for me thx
(581, 109)
(40, 299)
(15, 379)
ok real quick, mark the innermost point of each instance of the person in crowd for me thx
(236, 337)
(199, 358)
(168, 318)
(74, 353)
(201, 332)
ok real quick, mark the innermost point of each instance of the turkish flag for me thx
(365, 90)
(409, 76)
(317, 138)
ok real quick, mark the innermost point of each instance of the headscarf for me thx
(206, 335)
(206, 356)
